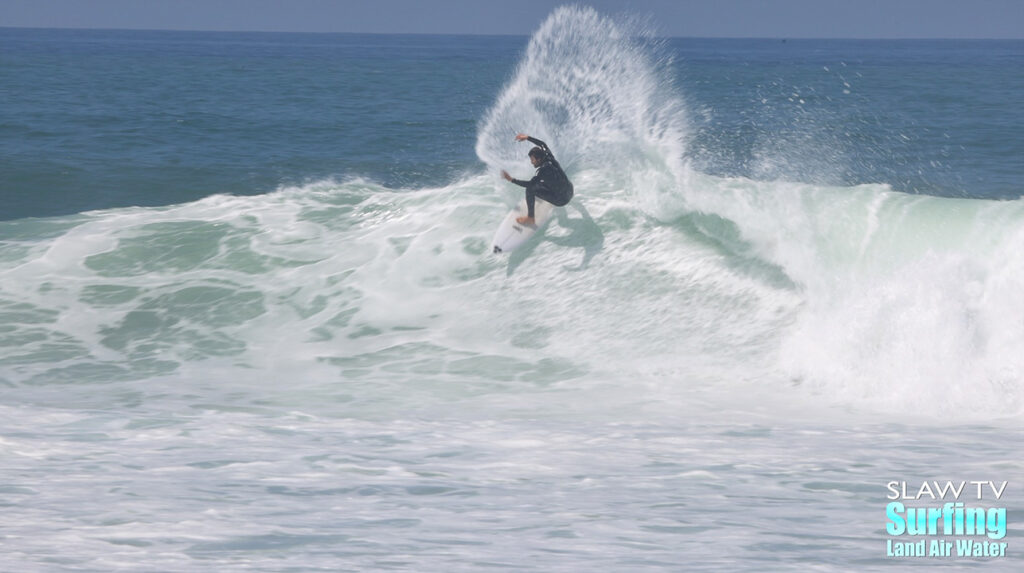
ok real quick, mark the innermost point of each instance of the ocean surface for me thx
(250, 319)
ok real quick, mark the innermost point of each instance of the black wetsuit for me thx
(550, 183)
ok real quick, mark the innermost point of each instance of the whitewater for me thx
(688, 370)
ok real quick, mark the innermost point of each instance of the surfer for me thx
(549, 183)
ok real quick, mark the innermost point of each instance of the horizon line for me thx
(497, 35)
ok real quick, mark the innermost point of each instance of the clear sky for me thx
(687, 18)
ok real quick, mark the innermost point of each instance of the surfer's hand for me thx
(522, 137)
(506, 175)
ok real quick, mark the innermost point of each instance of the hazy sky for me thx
(692, 18)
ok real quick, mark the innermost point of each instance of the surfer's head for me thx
(536, 156)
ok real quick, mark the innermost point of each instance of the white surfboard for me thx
(511, 235)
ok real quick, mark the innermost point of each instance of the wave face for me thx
(658, 284)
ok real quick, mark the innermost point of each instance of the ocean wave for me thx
(709, 290)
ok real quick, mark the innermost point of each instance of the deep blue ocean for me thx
(250, 318)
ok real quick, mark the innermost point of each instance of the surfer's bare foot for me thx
(526, 221)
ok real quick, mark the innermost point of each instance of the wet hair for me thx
(537, 152)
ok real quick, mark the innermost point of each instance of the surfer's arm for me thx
(534, 140)
(511, 179)
(539, 144)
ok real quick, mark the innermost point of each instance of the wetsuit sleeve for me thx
(541, 145)
(520, 182)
